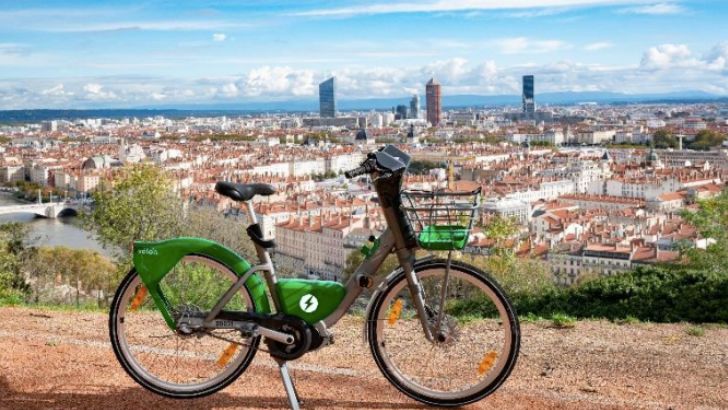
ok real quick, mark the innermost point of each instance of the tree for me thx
(663, 138)
(84, 270)
(706, 139)
(500, 229)
(12, 254)
(711, 221)
(207, 222)
(140, 206)
(423, 167)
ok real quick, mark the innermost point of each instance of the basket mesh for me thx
(441, 220)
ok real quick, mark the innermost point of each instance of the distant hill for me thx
(449, 101)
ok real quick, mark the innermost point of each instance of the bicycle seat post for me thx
(251, 212)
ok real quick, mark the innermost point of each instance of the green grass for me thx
(531, 318)
(629, 320)
(695, 331)
(562, 321)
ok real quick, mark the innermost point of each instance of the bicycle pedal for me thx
(249, 330)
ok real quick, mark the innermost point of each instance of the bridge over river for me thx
(47, 210)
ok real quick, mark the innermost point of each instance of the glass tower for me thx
(327, 100)
(414, 110)
(529, 101)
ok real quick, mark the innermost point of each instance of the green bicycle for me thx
(189, 317)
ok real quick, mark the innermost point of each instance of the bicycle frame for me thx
(362, 278)
(397, 238)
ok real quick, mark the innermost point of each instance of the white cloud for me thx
(96, 91)
(717, 58)
(458, 5)
(667, 56)
(56, 91)
(656, 9)
(151, 25)
(663, 68)
(219, 37)
(601, 45)
(278, 81)
(524, 45)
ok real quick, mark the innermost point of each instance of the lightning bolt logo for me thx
(308, 303)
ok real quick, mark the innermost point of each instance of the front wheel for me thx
(476, 335)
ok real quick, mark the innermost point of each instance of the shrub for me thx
(648, 294)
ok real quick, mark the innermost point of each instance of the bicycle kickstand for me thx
(291, 392)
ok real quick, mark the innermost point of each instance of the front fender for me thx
(154, 259)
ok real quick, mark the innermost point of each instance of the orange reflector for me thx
(395, 312)
(138, 298)
(227, 354)
(487, 362)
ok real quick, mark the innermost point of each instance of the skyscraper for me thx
(401, 112)
(415, 107)
(433, 102)
(327, 99)
(529, 101)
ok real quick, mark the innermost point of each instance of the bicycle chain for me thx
(248, 345)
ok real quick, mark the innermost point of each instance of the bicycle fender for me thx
(154, 259)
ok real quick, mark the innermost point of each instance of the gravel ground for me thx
(62, 360)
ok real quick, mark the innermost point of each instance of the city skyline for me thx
(77, 54)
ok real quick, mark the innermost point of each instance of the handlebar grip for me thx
(355, 172)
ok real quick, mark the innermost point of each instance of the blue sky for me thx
(79, 54)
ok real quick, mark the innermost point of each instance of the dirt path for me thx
(62, 360)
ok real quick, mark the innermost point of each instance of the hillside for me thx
(52, 359)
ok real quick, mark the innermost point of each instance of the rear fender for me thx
(154, 259)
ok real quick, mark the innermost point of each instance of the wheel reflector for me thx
(487, 363)
(395, 312)
(227, 354)
(138, 298)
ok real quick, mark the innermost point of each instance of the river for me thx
(52, 232)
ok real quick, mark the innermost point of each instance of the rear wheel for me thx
(168, 362)
(476, 344)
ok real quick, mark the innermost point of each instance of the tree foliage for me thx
(664, 138)
(140, 206)
(711, 221)
(656, 294)
(13, 252)
(423, 167)
(89, 274)
(706, 139)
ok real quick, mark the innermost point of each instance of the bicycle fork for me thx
(417, 293)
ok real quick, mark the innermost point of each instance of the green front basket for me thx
(443, 237)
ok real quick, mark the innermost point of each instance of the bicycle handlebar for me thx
(355, 172)
(366, 167)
